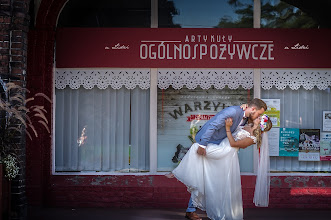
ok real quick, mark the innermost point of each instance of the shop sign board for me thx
(192, 48)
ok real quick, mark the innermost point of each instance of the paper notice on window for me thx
(325, 146)
(273, 138)
(309, 145)
(326, 120)
(289, 142)
(273, 111)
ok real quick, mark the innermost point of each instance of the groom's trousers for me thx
(190, 207)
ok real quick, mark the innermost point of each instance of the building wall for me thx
(45, 189)
(161, 192)
(14, 26)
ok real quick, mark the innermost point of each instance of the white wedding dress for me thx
(214, 180)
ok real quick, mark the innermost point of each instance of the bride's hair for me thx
(265, 125)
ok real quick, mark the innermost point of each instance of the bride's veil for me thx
(262, 186)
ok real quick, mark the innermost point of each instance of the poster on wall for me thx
(309, 145)
(273, 140)
(326, 120)
(325, 146)
(273, 111)
(289, 142)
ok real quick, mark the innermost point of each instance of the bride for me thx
(214, 179)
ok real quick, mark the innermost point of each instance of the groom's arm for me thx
(239, 143)
(215, 125)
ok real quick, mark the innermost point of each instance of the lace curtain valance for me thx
(191, 78)
(75, 78)
(295, 78)
(205, 78)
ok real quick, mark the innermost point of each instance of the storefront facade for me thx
(126, 107)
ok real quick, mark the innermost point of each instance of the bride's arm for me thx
(240, 143)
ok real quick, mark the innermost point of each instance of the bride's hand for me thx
(244, 106)
(228, 122)
(201, 151)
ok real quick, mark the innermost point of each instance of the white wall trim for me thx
(154, 14)
(257, 14)
(257, 94)
(93, 173)
(153, 122)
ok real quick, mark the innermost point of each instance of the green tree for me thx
(245, 14)
(281, 15)
(284, 15)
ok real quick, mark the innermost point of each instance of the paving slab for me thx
(35, 213)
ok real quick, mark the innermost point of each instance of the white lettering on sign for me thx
(298, 47)
(228, 49)
(119, 47)
(207, 38)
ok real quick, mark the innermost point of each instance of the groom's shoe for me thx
(192, 216)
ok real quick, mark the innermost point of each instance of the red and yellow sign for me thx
(199, 117)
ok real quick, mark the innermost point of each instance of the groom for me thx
(214, 132)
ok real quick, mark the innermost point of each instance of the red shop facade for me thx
(161, 80)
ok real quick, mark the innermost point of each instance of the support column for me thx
(14, 27)
(257, 72)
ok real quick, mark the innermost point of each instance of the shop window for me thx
(187, 99)
(202, 14)
(105, 13)
(102, 116)
(304, 95)
(280, 14)
(102, 126)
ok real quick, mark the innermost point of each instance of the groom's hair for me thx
(258, 103)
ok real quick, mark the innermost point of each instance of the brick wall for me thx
(14, 24)
(161, 192)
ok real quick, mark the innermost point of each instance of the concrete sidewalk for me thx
(167, 214)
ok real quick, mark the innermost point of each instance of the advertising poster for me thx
(309, 145)
(273, 111)
(289, 142)
(325, 146)
(326, 120)
(273, 138)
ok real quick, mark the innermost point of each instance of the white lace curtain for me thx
(102, 130)
(295, 79)
(102, 78)
(191, 78)
(205, 78)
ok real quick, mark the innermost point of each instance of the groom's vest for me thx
(213, 131)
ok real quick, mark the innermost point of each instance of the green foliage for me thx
(193, 131)
(245, 16)
(281, 15)
(284, 15)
